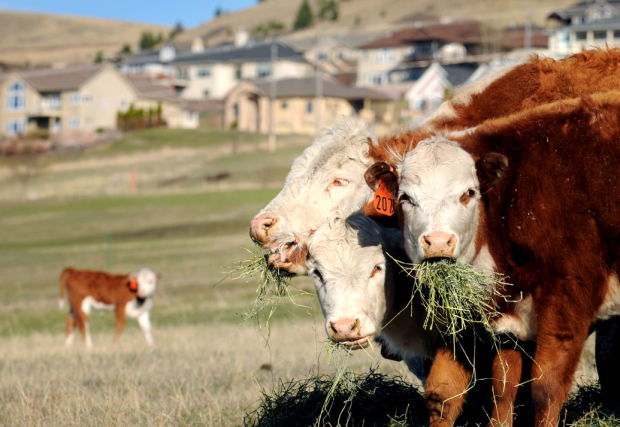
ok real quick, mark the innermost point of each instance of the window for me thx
(87, 99)
(14, 127)
(600, 35)
(74, 123)
(309, 107)
(378, 78)
(385, 56)
(16, 96)
(580, 35)
(203, 72)
(52, 101)
(616, 34)
(182, 74)
(205, 93)
(284, 105)
(264, 70)
(75, 98)
(236, 110)
(238, 72)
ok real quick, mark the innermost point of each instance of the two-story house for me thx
(387, 60)
(587, 24)
(214, 72)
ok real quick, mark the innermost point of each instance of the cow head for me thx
(439, 194)
(327, 178)
(347, 262)
(146, 282)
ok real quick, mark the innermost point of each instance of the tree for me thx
(178, 29)
(305, 17)
(99, 57)
(218, 12)
(126, 49)
(148, 41)
(328, 9)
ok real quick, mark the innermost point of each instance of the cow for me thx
(327, 177)
(533, 196)
(127, 294)
(365, 294)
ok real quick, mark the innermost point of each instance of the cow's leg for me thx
(120, 317)
(145, 324)
(607, 357)
(445, 388)
(81, 319)
(507, 369)
(70, 323)
(558, 351)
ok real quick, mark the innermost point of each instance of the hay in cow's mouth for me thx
(455, 296)
(273, 284)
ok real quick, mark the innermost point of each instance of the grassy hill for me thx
(42, 38)
(377, 16)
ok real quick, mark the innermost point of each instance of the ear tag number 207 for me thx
(383, 200)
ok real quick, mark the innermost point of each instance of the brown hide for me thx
(104, 287)
(552, 223)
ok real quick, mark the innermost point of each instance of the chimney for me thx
(241, 37)
(167, 53)
(197, 45)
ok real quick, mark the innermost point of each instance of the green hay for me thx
(455, 296)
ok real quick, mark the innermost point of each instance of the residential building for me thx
(300, 104)
(213, 73)
(435, 84)
(393, 58)
(153, 63)
(585, 25)
(69, 100)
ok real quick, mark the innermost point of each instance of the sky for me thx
(190, 13)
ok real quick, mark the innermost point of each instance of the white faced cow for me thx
(536, 197)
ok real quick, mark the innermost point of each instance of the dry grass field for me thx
(208, 367)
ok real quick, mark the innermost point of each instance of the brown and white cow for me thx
(327, 177)
(364, 294)
(534, 196)
(127, 294)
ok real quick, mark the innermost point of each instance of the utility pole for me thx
(318, 86)
(528, 31)
(272, 96)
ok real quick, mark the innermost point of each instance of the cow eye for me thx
(405, 198)
(338, 182)
(376, 269)
(471, 192)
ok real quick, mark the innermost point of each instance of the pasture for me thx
(207, 367)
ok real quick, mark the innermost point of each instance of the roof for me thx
(61, 79)
(514, 38)
(459, 73)
(603, 24)
(160, 89)
(143, 58)
(579, 9)
(251, 52)
(306, 87)
(462, 32)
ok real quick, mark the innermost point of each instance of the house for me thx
(62, 101)
(301, 105)
(387, 60)
(213, 73)
(83, 99)
(153, 63)
(435, 84)
(585, 25)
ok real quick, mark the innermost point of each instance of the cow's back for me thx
(101, 286)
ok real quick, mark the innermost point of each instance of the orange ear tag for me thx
(383, 200)
(133, 285)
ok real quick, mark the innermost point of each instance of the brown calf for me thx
(126, 294)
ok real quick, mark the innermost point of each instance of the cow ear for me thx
(491, 168)
(382, 171)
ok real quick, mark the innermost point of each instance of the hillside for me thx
(376, 16)
(41, 38)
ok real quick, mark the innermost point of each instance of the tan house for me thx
(61, 101)
(296, 106)
(82, 100)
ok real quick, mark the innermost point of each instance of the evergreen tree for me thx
(99, 57)
(305, 17)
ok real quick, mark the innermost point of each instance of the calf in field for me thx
(126, 294)
(534, 196)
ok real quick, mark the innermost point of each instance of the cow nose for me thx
(344, 330)
(438, 244)
(261, 226)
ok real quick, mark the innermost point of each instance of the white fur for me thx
(522, 323)
(345, 256)
(89, 303)
(611, 304)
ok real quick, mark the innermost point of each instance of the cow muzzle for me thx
(438, 244)
(261, 226)
(348, 332)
